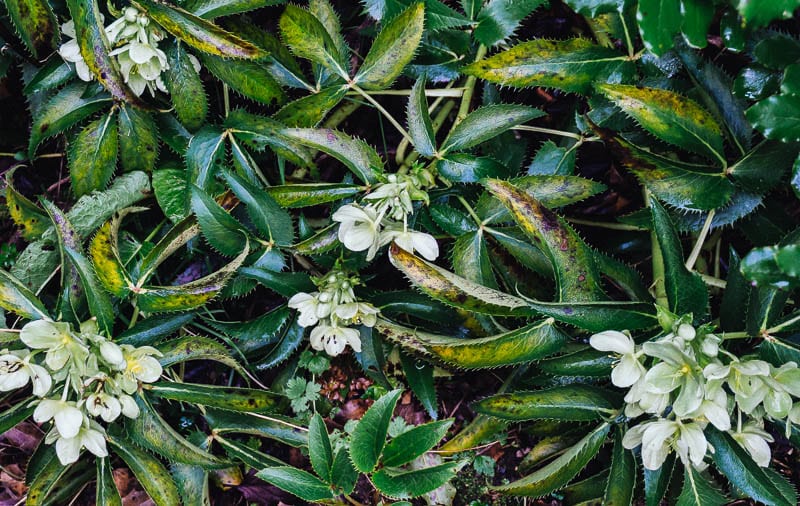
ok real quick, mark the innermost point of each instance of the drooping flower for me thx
(59, 341)
(756, 441)
(139, 366)
(16, 370)
(746, 378)
(334, 339)
(71, 52)
(660, 437)
(103, 405)
(90, 435)
(629, 368)
(677, 371)
(306, 304)
(358, 312)
(411, 240)
(68, 418)
(359, 228)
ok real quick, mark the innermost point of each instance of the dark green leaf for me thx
(222, 231)
(185, 88)
(297, 482)
(499, 19)
(319, 447)
(273, 222)
(659, 21)
(312, 194)
(697, 491)
(230, 398)
(308, 38)
(36, 25)
(410, 484)
(419, 376)
(308, 111)
(571, 402)
(420, 127)
(777, 117)
(93, 155)
(210, 9)
(355, 154)
(620, 488)
(138, 140)
(369, 437)
(763, 167)
(153, 476)
(251, 79)
(486, 123)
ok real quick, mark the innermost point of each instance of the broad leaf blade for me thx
(697, 491)
(104, 253)
(420, 127)
(410, 484)
(355, 154)
(229, 398)
(297, 482)
(251, 79)
(269, 219)
(571, 402)
(487, 122)
(153, 476)
(392, 50)
(309, 39)
(185, 88)
(369, 436)
(319, 447)
(15, 297)
(138, 140)
(36, 25)
(93, 155)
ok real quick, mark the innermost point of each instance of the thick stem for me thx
(469, 89)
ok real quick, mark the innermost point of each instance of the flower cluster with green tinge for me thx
(684, 380)
(96, 378)
(384, 218)
(332, 310)
(135, 41)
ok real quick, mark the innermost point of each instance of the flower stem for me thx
(527, 128)
(611, 226)
(438, 92)
(698, 246)
(469, 89)
(383, 111)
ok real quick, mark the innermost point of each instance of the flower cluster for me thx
(96, 378)
(135, 45)
(384, 218)
(332, 310)
(684, 380)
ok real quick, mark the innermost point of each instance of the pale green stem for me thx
(441, 92)
(628, 42)
(541, 130)
(470, 210)
(698, 246)
(383, 111)
(469, 89)
(713, 281)
(611, 226)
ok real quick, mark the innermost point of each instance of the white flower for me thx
(358, 312)
(71, 52)
(658, 438)
(103, 405)
(139, 366)
(129, 407)
(141, 65)
(745, 378)
(334, 339)
(306, 304)
(57, 339)
(90, 436)
(359, 228)
(112, 354)
(676, 371)
(16, 371)
(755, 440)
(68, 418)
(629, 369)
(411, 240)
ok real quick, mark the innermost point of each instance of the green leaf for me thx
(138, 140)
(698, 491)
(210, 9)
(657, 482)
(230, 398)
(420, 127)
(26, 214)
(319, 447)
(192, 482)
(455, 290)
(621, 487)
(392, 50)
(259, 132)
(355, 154)
(71, 250)
(686, 291)
(273, 222)
(571, 65)
(93, 155)
(246, 454)
(107, 493)
(15, 297)
(471, 259)
(205, 155)
(586, 491)
(153, 476)
(571, 402)
(758, 13)
(577, 276)
(169, 185)
(413, 443)
(309, 39)
(343, 474)
(683, 186)
(659, 21)
(273, 427)
(95, 50)
(669, 116)
(258, 334)
(697, 18)
(369, 437)
(51, 75)
(10, 417)
(222, 231)
(560, 471)
(185, 87)
(586, 362)
(410, 484)
(153, 433)
(736, 464)
(308, 111)
(104, 254)
(251, 79)
(189, 348)
(297, 482)
(149, 331)
(777, 117)
(466, 168)
(64, 110)
(312, 194)
(529, 343)
(763, 167)
(46, 480)
(487, 122)
(774, 266)
(551, 191)
(419, 376)
(36, 25)
(197, 32)
(499, 19)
